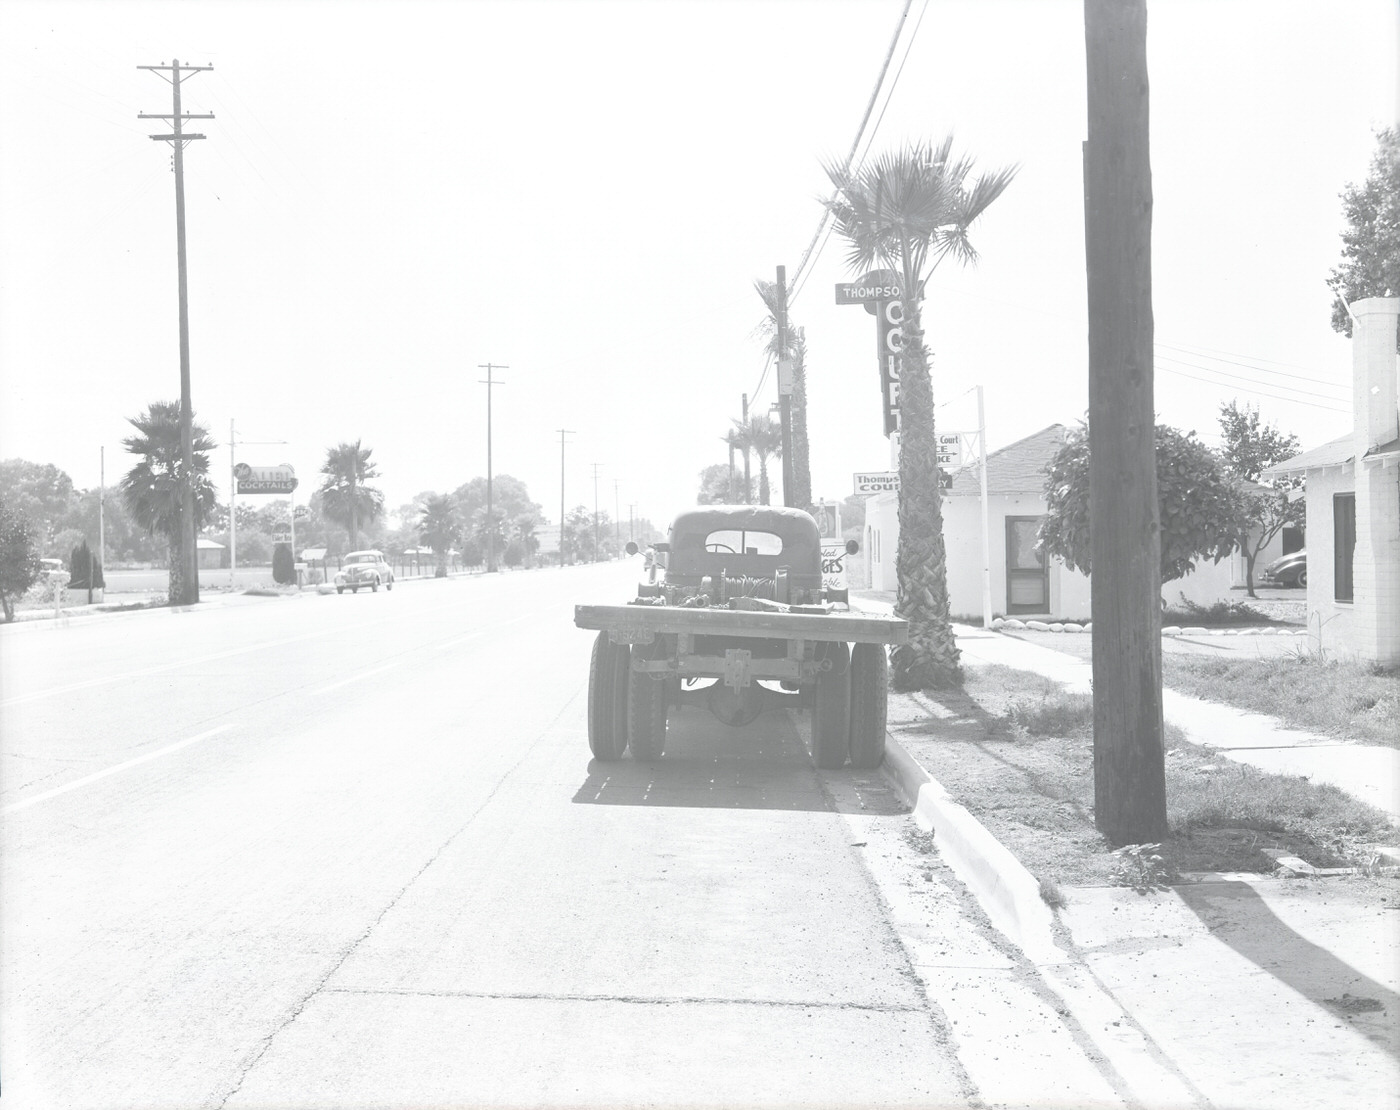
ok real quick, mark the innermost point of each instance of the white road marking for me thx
(86, 779)
(356, 678)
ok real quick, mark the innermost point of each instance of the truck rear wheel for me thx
(607, 714)
(870, 698)
(646, 710)
(831, 715)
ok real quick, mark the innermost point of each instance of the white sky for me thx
(394, 193)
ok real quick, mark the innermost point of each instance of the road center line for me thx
(356, 678)
(86, 779)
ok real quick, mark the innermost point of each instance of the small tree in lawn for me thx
(19, 558)
(1268, 507)
(439, 528)
(1198, 503)
(284, 567)
(84, 571)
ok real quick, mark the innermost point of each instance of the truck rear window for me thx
(732, 541)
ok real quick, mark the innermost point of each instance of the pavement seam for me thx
(632, 999)
(348, 950)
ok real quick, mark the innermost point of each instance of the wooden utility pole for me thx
(595, 511)
(562, 433)
(189, 551)
(784, 388)
(1129, 766)
(488, 382)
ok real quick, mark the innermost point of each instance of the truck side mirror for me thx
(631, 548)
(852, 547)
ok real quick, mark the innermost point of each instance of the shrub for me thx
(84, 571)
(284, 571)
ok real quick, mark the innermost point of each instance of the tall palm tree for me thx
(908, 210)
(151, 488)
(764, 438)
(796, 349)
(344, 496)
(438, 527)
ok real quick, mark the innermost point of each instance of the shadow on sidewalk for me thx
(1237, 915)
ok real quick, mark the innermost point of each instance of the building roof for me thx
(1337, 453)
(1017, 468)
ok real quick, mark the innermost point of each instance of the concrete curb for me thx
(1006, 891)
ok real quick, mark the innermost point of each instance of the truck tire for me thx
(831, 715)
(646, 710)
(870, 698)
(607, 734)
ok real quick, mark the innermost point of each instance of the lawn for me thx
(1018, 753)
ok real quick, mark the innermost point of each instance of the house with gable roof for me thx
(1024, 582)
(1352, 493)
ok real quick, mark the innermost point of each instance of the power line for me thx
(1255, 393)
(1244, 380)
(874, 95)
(909, 46)
(1200, 352)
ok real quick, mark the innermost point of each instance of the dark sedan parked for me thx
(1291, 570)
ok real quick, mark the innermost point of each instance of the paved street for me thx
(351, 851)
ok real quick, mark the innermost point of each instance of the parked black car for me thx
(1291, 570)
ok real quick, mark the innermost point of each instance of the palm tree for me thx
(796, 349)
(344, 496)
(438, 528)
(151, 489)
(908, 210)
(764, 438)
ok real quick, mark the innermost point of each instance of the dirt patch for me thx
(1019, 755)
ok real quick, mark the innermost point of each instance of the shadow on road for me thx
(1236, 915)
(764, 765)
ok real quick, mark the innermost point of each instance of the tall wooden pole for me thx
(784, 394)
(1129, 765)
(189, 554)
(489, 383)
(562, 433)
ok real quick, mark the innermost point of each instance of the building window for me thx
(1343, 543)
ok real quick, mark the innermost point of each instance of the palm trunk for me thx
(930, 658)
(354, 523)
(763, 491)
(176, 591)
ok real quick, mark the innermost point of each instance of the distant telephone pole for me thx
(488, 382)
(748, 484)
(784, 389)
(189, 552)
(617, 515)
(562, 433)
(595, 511)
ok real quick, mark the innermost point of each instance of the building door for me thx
(1027, 576)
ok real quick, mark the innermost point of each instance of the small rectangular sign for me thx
(850, 292)
(950, 452)
(876, 481)
(834, 564)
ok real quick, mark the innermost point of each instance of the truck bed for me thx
(630, 620)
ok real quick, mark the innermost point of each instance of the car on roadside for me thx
(364, 568)
(1290, 570)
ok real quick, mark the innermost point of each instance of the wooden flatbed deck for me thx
(850, 628)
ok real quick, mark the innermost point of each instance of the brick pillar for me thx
(1376, 409)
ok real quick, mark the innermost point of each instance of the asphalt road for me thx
(351, 851)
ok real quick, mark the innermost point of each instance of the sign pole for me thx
(986, 528)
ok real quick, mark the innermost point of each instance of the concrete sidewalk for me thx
(1241, 991)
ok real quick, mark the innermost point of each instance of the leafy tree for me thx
(345, 498)
(714, 487)
(1268, 507)
(908, 210)
(19, 557)
(1371, 242)
(510, 498)
(39, 490)
(764, 438)
(581, 531)
(151, 488)
(775, 300)
(1198, 502)
(524, 527)
(514, 554)
(439, 528)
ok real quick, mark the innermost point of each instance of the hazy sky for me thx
(393, 193)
